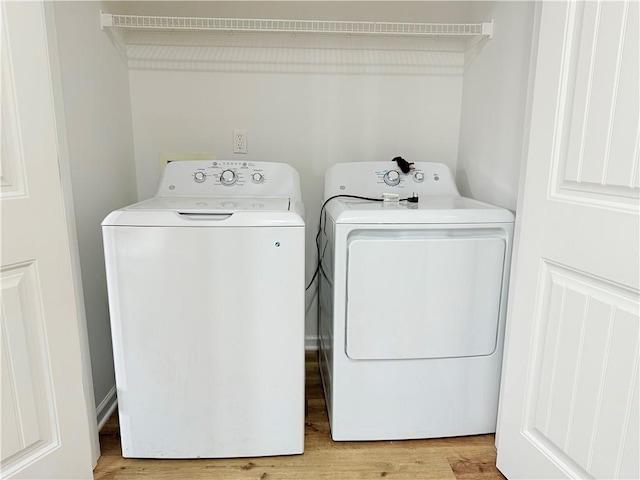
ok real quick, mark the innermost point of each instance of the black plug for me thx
(405, 166)
(413, 198)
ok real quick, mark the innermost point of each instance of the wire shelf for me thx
(140, 22)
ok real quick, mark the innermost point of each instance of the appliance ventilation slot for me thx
(158, 23)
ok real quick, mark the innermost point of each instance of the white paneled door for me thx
(45, 430)
(569, 402)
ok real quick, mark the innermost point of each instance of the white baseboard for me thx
(107, 407)
(311, 342)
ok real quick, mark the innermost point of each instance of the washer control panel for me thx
(372, 179)
(228, 173)
(226, 178)
(395, 177)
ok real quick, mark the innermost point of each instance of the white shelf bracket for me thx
(106, 20)
(487, 29)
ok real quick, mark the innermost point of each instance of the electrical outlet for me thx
(239, 141)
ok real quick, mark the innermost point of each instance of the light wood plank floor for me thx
(463, 458)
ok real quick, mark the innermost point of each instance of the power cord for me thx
(412, 199)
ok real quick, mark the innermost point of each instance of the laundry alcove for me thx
(310, 99)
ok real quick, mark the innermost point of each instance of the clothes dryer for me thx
(412, 304)
(206, 294)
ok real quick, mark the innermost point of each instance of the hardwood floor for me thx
(462, 458)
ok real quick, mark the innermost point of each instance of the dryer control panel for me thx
(372, 179)
(229, 178)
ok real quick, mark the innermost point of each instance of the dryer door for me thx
(424, 293)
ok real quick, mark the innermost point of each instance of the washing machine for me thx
(412, 303)
(206, 295)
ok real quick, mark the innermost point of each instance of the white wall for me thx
(307, 116)
(494, 99)
(99, 134)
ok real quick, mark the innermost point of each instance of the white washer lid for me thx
(207, 211)
(429, 210)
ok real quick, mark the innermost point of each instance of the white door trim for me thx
(67, 192)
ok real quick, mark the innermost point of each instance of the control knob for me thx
(228, 177)
(418, 176)
(392, 177)
(257, 177)
(199, 177)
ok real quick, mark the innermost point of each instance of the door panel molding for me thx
(577, 380)
(12, 170)
(595, 152)
(27, 395)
